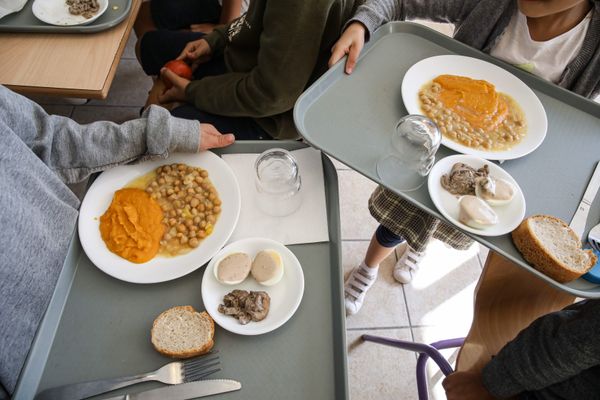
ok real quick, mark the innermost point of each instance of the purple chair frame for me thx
(425, 352)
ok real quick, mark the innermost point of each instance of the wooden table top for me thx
(70, 65)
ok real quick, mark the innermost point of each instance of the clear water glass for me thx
(412, 153)
(278, 183)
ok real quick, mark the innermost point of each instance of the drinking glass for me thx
(278, 182)
(412, 153)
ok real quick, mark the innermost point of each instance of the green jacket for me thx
(272, 53)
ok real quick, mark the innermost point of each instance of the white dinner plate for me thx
(285, 295)
(159, 269)
(509, 215)
(56, 12)
(426, 70)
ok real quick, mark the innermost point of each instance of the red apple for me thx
(180, 68)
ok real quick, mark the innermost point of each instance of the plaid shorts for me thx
(412, 223)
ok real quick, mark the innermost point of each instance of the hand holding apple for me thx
(180, 68)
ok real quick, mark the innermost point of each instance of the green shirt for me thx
(272, 53)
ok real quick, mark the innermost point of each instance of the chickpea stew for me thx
(190, 203)
(471, 112)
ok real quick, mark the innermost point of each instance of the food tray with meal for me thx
(98, 326)
(66, 16)
(547, 139)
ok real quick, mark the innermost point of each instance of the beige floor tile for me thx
(441, 293)
(356, 221)
(129, 52)
(338, 165)
(377, 372)
(434, 375)
(130, 86)
(88, 114)
(384, 304)
(58, 109)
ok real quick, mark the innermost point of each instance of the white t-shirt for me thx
(245, 4)
(546, 59)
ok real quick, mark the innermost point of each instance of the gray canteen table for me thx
(98, 327)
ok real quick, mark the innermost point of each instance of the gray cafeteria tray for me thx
(99, 327)
(351, 118)
(25, 21)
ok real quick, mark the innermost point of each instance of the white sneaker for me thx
(407, 265)
(358, 283)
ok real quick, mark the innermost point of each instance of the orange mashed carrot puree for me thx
(475, 100)
(132, 226)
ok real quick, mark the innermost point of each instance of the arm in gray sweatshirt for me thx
(75, 151)
(39, 153)
(374, 13)
(557, 357)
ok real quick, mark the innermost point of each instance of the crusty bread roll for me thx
(182, 332)
(552, 247)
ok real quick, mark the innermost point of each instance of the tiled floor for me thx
(436, 305)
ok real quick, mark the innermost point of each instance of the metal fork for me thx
(594, 237)
(172, 373)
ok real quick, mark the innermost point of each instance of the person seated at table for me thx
(197, 17)
(558, 40)
(556, 357)
(249, 74)
(40, 155)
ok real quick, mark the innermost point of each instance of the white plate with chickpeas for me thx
(517, 126)
(200, 201)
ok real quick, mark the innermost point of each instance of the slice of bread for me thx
(182, 332)
(552, 247)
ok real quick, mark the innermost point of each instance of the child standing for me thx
(558, 40)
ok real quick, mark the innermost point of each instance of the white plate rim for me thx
(70, 20)
(434, 187)
(417, 75)
(115, 178)
(229, 323)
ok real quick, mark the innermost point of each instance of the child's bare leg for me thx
(158, 87)
(376, 253)
(383, 242)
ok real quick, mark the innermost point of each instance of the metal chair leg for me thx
(425, 351)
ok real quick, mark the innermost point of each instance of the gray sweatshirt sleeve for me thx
(553, 349)
(75, 151)
(374, 13)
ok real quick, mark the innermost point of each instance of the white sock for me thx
(370, 271)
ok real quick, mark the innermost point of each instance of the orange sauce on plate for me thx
(477, 101)
(132, 226)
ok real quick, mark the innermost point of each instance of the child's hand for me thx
(177, 91)
(197, 52)
(211, 138)
(465, 386)
(351, 42)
